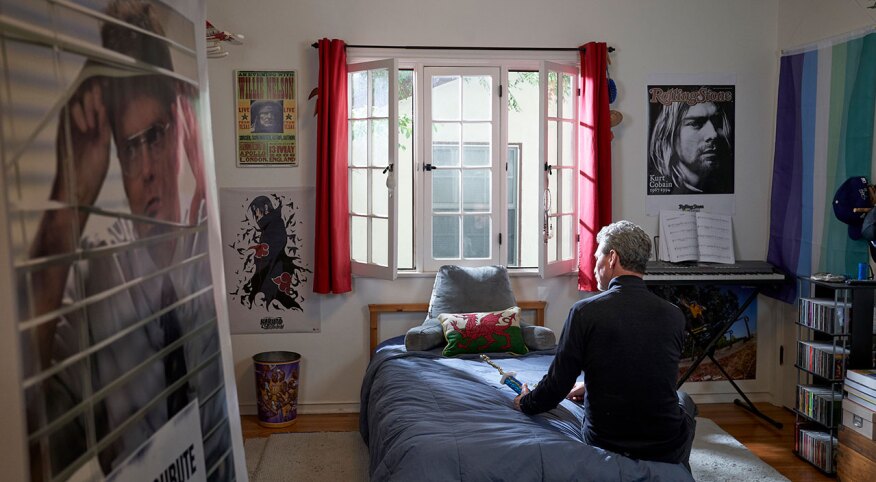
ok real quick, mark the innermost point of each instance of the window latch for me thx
(429, 167)
(548, 168)
(387, 169)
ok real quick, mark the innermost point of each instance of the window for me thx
(482, 172)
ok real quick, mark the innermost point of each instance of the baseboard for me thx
(308, 408)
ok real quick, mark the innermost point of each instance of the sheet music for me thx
(689, 236)
(715, 238)
(678, 230)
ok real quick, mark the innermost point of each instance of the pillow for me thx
(538, 337)
(424, 337)
(459, 289)
(496, 331)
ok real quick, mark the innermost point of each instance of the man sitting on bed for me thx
(627, 342)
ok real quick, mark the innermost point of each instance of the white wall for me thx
(667, 36)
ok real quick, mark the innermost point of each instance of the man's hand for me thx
(187, 123)
(83, 145)
(577, 393)
(517, 399)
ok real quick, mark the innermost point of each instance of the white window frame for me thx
(497, 190)
(506, 61)
(560, 265)
(370, 268)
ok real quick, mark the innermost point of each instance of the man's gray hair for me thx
(630, 242)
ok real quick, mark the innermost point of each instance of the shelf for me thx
(834, 321)
(827, 380)
(830, 428)
(836, 335)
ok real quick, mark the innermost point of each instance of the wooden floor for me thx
(774, 446)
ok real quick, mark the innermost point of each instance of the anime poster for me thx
(691, 143)
(707, 308)
(267, 238)
(267, 118)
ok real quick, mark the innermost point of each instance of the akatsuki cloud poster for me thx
(267, 238)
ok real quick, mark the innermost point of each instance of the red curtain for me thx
(331, 273)
(594, 160)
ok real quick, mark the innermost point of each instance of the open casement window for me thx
(559, 142)
(463, 214)
(373, 144)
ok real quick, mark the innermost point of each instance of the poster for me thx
(174, 452)
(707, 308)
(267, 118)
(267, 238)
(107, 183)
(691, 143)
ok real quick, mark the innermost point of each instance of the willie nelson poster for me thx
(267, 118)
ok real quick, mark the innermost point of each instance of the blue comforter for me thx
(429, 418)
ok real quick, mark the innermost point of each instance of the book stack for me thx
(859, 407)
(823, 359)
(825, 315)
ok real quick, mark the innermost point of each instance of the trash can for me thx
(276, 377)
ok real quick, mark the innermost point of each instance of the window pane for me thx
(552, 143)
(359, 191)
(568, 142)
(477, 98)
(552, 240)
(476, 190)
(552, 94)
(552, 187)
(445, 97)
(379, 193)
(476, 241)
(567, 177)
(476, 139)
(445, 143)
(359, 232)
(379, 93)
(568, 96)
(445, 190)
(404, 172)
(524, 124)
(359, 143)
(358, 94)
(513, 205)
(567, 237)
(380, 241)
(445, 237)
(380, 142)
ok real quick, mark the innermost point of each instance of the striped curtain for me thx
(824, 134)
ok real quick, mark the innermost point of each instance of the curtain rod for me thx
(428, 47)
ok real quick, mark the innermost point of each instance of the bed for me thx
(426, 417)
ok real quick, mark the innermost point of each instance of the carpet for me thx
(342, 456)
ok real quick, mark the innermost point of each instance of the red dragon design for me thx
(491, 326)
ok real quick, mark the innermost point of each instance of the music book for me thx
(696, 236)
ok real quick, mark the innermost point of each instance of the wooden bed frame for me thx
(375, 311)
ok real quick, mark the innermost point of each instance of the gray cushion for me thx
(538, 337)
(425, 337)
(470, 290)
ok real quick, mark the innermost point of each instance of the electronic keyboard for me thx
(741, 272)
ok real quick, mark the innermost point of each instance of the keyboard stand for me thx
(709, 352)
